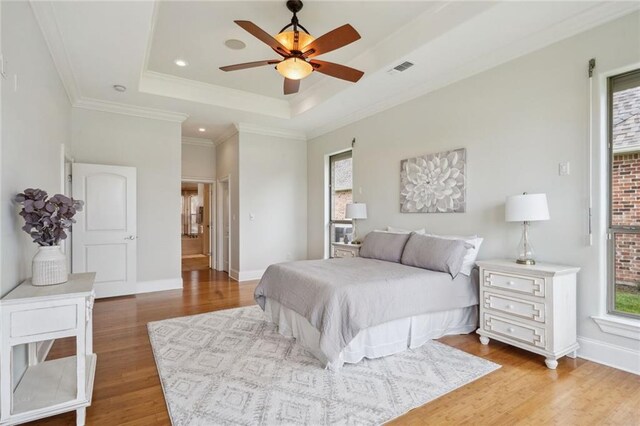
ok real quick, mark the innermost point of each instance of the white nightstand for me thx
(345, 250)
(30, 315)
(531, 307)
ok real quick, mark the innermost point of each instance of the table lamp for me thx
(356, 211)
(526, 208)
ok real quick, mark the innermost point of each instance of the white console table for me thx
(29, 315)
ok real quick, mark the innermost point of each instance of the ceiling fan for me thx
(298, 47)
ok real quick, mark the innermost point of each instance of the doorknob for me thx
(130, 237)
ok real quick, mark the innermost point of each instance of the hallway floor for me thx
(195, 262)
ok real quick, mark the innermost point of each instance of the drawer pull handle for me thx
(509, 306)
(510, 330)
(510, 283)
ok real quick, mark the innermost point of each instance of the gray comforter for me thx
(341, 297)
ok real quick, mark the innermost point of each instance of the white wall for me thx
(517, 121)
(154, 148)
(273, 188)
(35, 122)
(227, 157)
(198, 159)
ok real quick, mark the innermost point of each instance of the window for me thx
(340, 194)
(624, 194)
(192, 210)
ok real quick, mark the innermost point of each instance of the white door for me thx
(104, 236)
(225, 227)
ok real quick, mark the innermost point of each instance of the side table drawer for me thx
(338, 252)
(44, 320)
(514, 330)
(509, 305)
(533, 286)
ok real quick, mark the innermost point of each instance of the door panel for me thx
(106, 202)
(104, 236)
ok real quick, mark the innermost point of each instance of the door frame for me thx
(219, 235)
(212, 218)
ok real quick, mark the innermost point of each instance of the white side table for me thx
(532, 307)
(29, 315)
(345, 250)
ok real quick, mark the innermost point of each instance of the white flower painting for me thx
(434, 183)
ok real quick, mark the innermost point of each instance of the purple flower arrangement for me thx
(47, 219)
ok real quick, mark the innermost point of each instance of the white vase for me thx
(49, 266)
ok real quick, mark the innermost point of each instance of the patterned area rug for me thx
(232, 367)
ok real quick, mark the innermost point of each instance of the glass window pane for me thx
(341, 187)
(627, 273)
(625, 178)
(341, 230)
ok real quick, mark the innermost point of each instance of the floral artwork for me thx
(434, 183)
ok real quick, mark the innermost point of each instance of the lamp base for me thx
(526, 261)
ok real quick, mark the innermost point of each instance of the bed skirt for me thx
(378, 341)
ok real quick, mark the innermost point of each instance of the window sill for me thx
(625, 327)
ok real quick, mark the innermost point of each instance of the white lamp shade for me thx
(526, 208)
(356, 211)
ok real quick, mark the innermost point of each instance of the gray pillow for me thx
(436, 254)
(383, 246)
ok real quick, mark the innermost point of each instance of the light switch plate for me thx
(564, 168)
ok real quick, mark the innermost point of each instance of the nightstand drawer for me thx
(522, 308)
(43, 320)
(338, 252)
(533, 286)
(514, 330)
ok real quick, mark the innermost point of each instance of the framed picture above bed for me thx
(434, 183)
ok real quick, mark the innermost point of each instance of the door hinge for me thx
(69, 178)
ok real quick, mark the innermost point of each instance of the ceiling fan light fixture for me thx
(287, 39)
(294, 68)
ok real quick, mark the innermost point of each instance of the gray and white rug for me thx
(232, 367)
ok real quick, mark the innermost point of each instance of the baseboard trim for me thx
(234, 275)
(610, 355)
(139, 287)
(246, 275)
(250, 275)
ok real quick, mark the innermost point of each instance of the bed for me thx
(343, 310)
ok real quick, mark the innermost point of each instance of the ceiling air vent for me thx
(400, 68)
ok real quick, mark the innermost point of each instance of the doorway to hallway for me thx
(196, 225)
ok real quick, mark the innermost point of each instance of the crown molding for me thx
(226, 135)
(156, 83)
(592, 18)
(133, 110)
(187, 140)
(270, 131)
(48, 23)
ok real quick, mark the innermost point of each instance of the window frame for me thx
(613, 230)
(343, 155)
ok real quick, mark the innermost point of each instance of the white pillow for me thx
(472, 253)
(405, 231)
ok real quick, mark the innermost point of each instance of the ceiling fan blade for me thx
(337, 70)
(264, 36)
(332, 40)
(291, 86)
(249, 65)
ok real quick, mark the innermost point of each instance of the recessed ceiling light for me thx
(119, 88)
(202, 129)
(181, 62)
(234, 44)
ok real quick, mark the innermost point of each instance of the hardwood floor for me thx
(195, 262)
(128, 392)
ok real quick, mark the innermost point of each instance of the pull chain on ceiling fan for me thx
(298, 47)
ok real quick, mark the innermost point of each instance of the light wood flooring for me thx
(127, 388)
